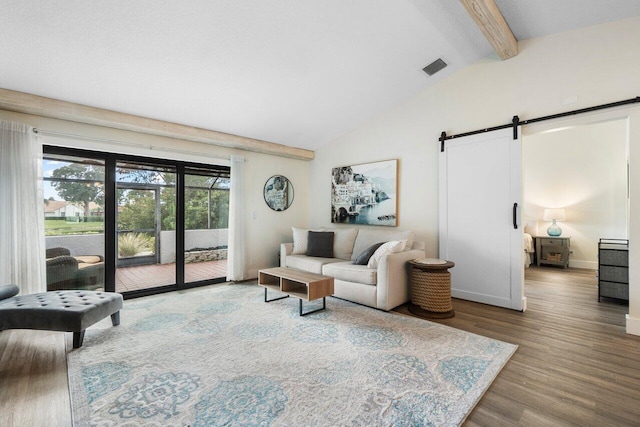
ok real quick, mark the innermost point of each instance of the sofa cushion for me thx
(343, 241)
(384, 250)
(308, 263)
(363, 258)
(350, 272)
(89, 259)
(300, 240)
(367, 237)
(320, 244)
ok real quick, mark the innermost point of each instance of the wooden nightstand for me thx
(553, 250)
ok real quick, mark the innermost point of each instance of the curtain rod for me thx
(127, 144)
(515, 122)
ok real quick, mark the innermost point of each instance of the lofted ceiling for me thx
(294, 72)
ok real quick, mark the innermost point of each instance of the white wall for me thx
(584, 170)
(597, 64)
(265, 229)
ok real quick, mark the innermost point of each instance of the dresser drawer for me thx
(614, 274)
(614, 290)
(613, 257)
(552, 242)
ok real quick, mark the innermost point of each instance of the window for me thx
(166, 221)
(74, 221)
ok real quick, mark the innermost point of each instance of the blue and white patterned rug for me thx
(221, 356)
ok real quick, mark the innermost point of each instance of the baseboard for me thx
(576, 263)
(633, 325)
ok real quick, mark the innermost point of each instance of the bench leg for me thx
(78, 337)
(115, 318)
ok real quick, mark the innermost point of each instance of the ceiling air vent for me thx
(434, 67)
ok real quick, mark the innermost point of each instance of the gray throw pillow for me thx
(320, 244)
(363, 258)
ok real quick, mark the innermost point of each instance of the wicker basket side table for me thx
(431, 288)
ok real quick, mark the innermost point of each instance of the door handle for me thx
(515, 222)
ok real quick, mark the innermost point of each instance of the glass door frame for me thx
(124, 262)
(110, 214)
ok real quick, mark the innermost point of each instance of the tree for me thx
(206, 202)
(137, 211)
(206, 197)
(168, 208)
(80, 184)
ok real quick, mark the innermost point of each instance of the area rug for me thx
(221, 356)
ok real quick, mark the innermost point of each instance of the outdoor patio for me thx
(151, 276)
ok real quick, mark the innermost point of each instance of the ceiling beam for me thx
(489, 19)
(21, 102)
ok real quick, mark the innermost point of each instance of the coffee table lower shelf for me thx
(299, 284)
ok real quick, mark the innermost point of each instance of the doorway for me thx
(580, 166)
(138, 237)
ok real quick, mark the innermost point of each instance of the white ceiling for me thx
(294, 72)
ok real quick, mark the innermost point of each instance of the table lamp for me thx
(554, 215)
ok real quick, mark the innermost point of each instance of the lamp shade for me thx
(551, 214)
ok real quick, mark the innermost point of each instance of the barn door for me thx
(480, 211)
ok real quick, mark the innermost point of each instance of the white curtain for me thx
(22, 249)
(236, 259)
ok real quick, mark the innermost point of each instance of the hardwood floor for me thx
(575, 364)
(33, 379)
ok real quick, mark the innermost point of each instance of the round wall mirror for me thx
(278, 193)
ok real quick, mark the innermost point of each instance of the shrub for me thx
(131, 244)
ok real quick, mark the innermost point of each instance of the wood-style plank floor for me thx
(575, 364)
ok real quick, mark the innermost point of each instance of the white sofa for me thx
(384, 287)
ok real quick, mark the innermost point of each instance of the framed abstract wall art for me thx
(365, 194)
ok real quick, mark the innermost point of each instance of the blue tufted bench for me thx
(66, 311)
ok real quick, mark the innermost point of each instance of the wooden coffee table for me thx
(300, 284)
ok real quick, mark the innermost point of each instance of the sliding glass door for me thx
(145, 225)
(74, 221)
(206, 211)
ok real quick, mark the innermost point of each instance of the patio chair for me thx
(73, 272)
(62, 273)
(55, 252)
